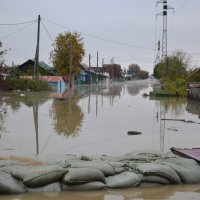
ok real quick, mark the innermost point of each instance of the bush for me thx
(23, 84)
(176, 87)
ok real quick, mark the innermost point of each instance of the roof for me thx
(193, 153)
(44, 65)
(52, 78)
(84, 66)
(194, 84)
(31, 63)
(46, 78)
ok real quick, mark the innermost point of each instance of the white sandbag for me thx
(83, 175)
(95, 185)
(94, 164)
(159, 170)
(53, 187)
(39, 175)
(187, 169)
(9, 185)
(123, 180)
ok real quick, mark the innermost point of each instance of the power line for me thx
(47, 32)
(103, 39)
(182, 7)
(15, 24)
(19, 30)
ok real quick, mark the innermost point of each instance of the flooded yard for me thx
(94, 120)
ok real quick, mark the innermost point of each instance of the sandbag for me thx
(9, 185)
(7, 169)
(83, 175)
(95, 185)
(145, 156)
(53, 187)
(4, 163)
(64, 164)
(123, 180)
(159, 170)
(117, 166)
(187, 169)
(155, 179)
(39, 175)
(94, 164)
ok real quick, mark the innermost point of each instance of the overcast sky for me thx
(126, 30)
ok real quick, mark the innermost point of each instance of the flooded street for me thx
(94, 120)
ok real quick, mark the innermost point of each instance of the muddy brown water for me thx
(94, 120)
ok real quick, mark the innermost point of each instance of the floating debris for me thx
(134, 133)
(172, 129)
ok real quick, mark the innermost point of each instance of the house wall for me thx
(113, 70)
(58, 86)
(194, 93)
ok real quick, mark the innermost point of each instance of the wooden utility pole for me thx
(90, 79)
(97, 67)
(70, 64)
(36, 70)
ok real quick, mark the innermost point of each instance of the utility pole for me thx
(90, 68)
(97, 67)
(102, 62)
(70, 64)
(35, 71)
(158, 54)
(164, 32)
(164, 36)
(112, 70)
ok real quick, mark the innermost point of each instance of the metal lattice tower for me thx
(164, 36)
(158, 54)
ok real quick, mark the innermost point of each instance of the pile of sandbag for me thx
(71, 173)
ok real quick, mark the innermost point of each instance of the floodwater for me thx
(94, 120)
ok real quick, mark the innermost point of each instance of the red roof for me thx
(191, 153)
(47, 78)
(52, 78)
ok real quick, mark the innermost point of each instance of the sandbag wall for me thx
(72, 173)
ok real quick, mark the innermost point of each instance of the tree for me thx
(133, 69)
(194, 75)
(175, 66)
(143, 74)
(60, 55)
(173, 73)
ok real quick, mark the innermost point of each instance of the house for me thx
(96, 73)
(4, 72)
(194, 90)
(86, 74)
(114, 70)
(57, 82)
(28, 66)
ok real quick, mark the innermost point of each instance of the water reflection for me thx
(176, 192)
(92, 118)
(3, 114)
(174, 106)
(193, 107)
(67, 116)
(134, 88)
